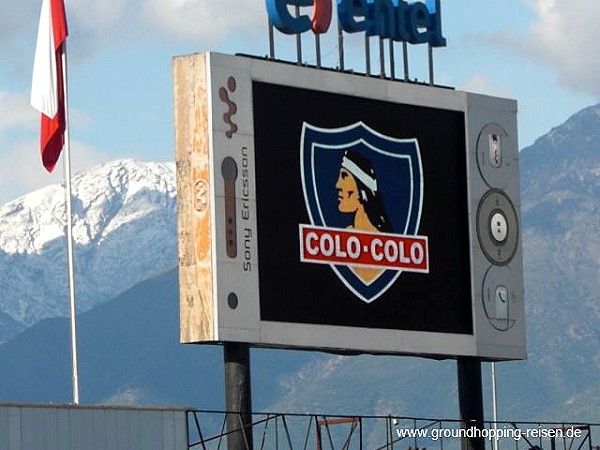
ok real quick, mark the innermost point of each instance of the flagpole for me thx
(494, 405)
(67, 161)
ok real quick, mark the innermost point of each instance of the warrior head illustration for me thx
(358, 194)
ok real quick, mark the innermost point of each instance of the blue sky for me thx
(540, 52)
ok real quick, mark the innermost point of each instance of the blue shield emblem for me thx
(383, 175)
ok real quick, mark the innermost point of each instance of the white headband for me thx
(366, 179)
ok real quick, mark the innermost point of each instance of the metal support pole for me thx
(392, 62)
(238, 398)
(405, 59)
(381, 58)
(341, 47)
(430, 54)
(318, 49)
(367, 55)
(271, 41)
(70, 252)
(495, 404)
(470, 400)
(298, 41)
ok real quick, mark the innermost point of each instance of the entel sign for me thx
(417, 22)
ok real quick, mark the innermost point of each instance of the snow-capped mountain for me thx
(124, 230)
(130, 350)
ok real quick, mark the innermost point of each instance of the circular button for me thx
(232, 300)
(499, 227)
(502, 297)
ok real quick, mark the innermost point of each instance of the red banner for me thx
(348, 247)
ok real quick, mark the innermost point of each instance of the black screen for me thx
(301, 292)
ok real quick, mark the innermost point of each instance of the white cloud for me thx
(481, 84)
(15, 112)
(205, 20)
(96, 14)
(565, 35)
(21, 169)
(96, 25)
(17, 16)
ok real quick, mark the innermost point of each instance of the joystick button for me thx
(499, 227)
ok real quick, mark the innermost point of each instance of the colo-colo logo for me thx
(416, 22)
(364, 195)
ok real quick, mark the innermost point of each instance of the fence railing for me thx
(207, 431)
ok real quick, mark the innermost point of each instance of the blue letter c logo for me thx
(283, 20)
(286, 23)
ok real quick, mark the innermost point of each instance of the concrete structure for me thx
(69, 427)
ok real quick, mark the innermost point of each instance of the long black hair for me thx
(363, 172)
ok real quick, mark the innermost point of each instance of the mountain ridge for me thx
(560, 215)
(129, 353)
(114, 205)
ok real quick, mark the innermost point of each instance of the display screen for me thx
(362, 212)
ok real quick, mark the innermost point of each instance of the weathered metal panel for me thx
(194, 179)
(4, 426)
(46, 427)
(32, 426)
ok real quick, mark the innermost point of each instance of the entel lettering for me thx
(416, 23)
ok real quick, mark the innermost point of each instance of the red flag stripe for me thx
(53, 129)
(59, 23)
